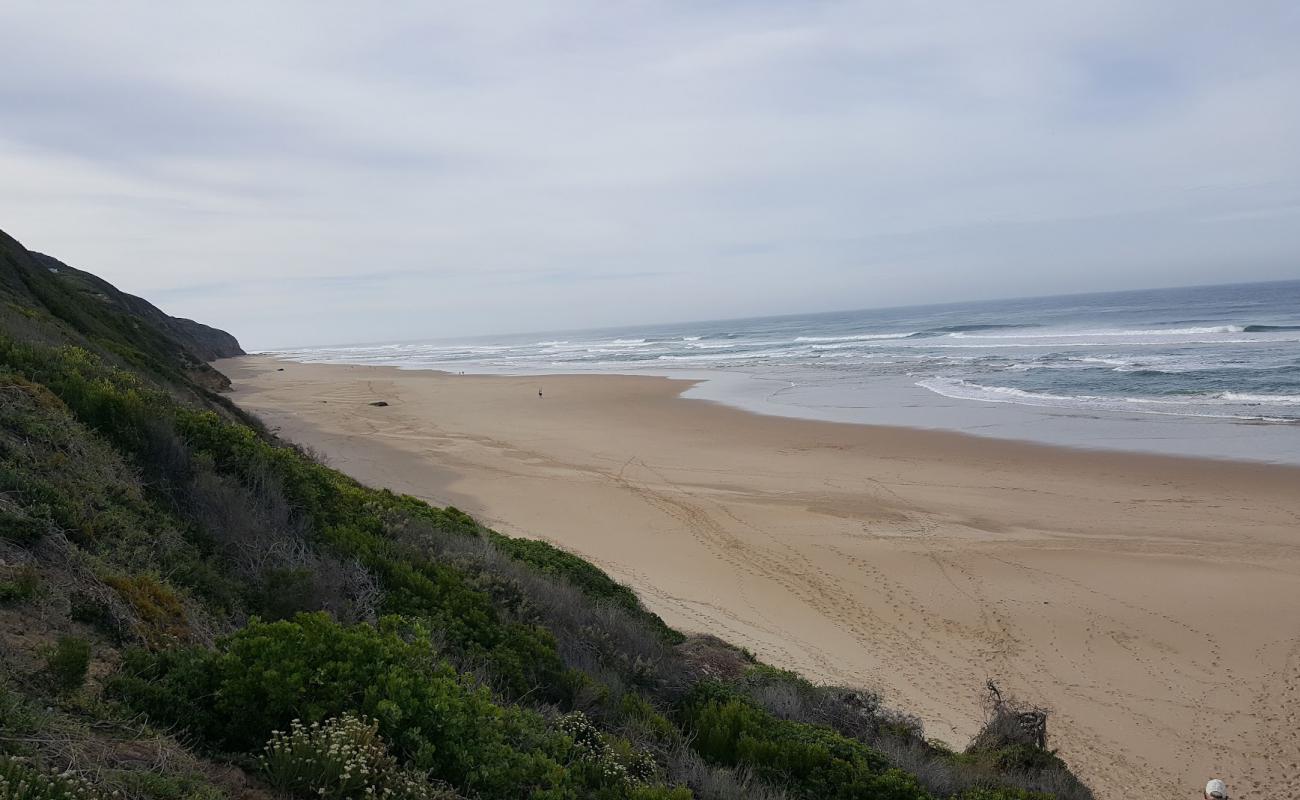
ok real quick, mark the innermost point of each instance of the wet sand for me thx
(1152, 603)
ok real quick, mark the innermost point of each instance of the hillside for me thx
(197, 339)
(190, 607)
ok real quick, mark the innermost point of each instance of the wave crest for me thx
(1186, 405)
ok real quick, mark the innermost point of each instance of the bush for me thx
(300, 674)
(17, 526)
(162, 616)
(22, 585)
(812, 761)
(611, 761)
(94, 611)
(312, 668)
(159, 783)
(349, 519)
(584, 575)
(638, 714)
(342, 759)
(286, 592)
(68, 662)
(18, 714)
(93, 497)
(1013, 743)
(20, 781)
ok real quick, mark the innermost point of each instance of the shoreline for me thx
(896, 406)
(915, 561)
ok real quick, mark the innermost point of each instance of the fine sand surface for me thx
(1152, 603)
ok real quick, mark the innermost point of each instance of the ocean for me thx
(1206, 371)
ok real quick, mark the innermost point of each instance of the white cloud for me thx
(506, 166)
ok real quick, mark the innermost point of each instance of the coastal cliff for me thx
(191, 607)
(201, 341)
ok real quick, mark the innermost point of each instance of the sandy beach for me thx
(1152, 603)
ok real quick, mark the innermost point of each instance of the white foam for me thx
(737, 357)
(866, 337)
(1076, 334)
(965, 390)
(1262, 399)
(853, 345)
(991, 345)
(1188, 406)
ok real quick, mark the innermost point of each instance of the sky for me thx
(331, 172)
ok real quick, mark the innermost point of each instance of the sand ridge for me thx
(1153, 603)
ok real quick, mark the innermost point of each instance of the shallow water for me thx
(1209, 371)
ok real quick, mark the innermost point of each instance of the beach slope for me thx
(1152, 603)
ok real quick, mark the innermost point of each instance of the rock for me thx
(380, 403)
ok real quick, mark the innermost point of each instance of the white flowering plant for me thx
(614, 760)
(22, 781)
(343, 758)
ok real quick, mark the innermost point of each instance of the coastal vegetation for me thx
(193, 608)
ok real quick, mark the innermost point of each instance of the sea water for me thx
(1208, 371)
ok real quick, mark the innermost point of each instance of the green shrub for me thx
(1006, 746)
(21, 586)
(811, 760)
(68, 662)
(19, 527)
(350, 520)
(162, 785)
(18, 714)
(640, 714)
(285, 592)
(661, 793)
(21, 781)
(582, 574)
(93, 611)
(312, 668)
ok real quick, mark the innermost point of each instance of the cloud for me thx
(303, 172)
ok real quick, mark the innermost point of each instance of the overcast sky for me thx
(349, 172)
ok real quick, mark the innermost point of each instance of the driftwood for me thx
(1031, 722)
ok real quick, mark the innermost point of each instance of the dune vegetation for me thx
(190, 607)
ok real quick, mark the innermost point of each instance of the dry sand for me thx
(1152, 603)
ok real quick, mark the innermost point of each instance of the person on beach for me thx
(539, 392)
(1216, 790)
